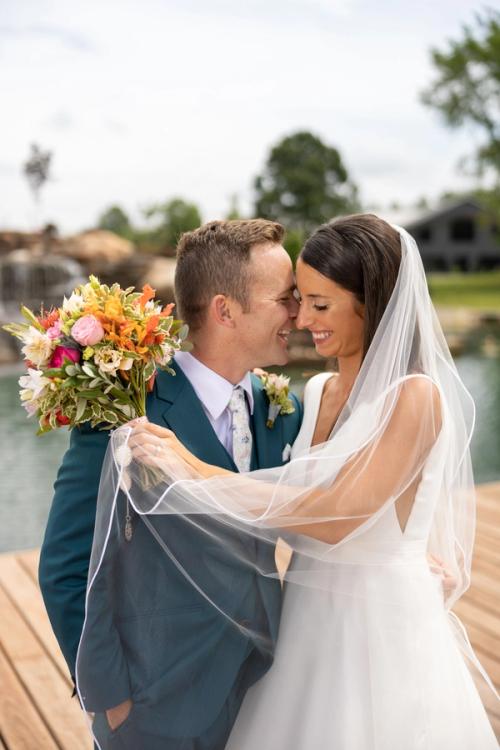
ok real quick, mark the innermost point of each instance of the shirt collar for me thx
(212, 389)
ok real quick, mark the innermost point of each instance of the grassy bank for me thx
(477, 290)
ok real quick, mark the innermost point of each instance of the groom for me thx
(234, 287)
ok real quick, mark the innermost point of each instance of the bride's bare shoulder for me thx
(420, 396)
(420, 387)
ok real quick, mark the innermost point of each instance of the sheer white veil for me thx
(398, 459)
(408, 409)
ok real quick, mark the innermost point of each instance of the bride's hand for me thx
(159, 446)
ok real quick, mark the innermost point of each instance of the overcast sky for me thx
(143, 101)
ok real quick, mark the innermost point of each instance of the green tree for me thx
(172, 219)
(114, 219)
(294, 242)
(304, 183)
(467, 88)
(234, 208)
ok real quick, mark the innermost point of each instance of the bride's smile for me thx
(333, 314)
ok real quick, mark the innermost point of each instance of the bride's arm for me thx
(384, 470)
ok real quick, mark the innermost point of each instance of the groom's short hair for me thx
(215, 259)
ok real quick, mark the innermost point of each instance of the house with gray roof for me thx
(458, 236)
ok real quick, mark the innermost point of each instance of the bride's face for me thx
(332, 314)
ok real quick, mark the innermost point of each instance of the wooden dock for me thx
(37, 712)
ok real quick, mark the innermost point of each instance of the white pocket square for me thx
(287, 451)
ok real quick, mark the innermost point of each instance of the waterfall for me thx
(32, 280)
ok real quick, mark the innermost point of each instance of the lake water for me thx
(29, 464)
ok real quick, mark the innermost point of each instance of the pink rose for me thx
(54, 331)
(64, 352)
(87, 331)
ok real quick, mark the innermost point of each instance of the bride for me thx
(368, 654)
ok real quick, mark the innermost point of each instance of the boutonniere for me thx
(277, 390)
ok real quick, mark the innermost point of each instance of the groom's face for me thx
(262, 332)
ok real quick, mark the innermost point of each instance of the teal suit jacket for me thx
(199, 684)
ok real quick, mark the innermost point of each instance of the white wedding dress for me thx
(370, 661)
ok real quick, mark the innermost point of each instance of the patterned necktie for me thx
(242, 437)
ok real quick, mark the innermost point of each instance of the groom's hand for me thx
(118, 714)
(448, 580)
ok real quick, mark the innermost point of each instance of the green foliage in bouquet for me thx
(95, 358)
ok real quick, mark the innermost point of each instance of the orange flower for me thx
(147, 293)
(127, 327)
(167, 310)
(152, 323)
(113, 309)
(47, 319)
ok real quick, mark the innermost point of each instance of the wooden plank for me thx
(489, 511)
(21, 725)
(488, 491)
(490, 644)
(42, 680)
(489, 546)
(469, 612)
(26, 596)
(29, 560)
(485, 583)
(484, 600)
(486, 566)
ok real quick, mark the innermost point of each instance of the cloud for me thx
(115, 126)
(60, 121)
(189, 98)
(7, 169)
(69, 38)
(281, 13)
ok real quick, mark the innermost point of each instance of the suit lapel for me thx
(179, 408)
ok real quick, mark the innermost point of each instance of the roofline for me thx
(430, 215)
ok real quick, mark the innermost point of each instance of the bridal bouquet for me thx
(95, 358)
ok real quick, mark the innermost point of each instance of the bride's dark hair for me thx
(362, 254)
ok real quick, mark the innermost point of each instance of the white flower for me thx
(37, 347)
(74, 304)
(126, 363)
(33, 388)
(33, 385)
(30, 406)
(276, 388)
(108, 359)
(153, 307)
(279, 382)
